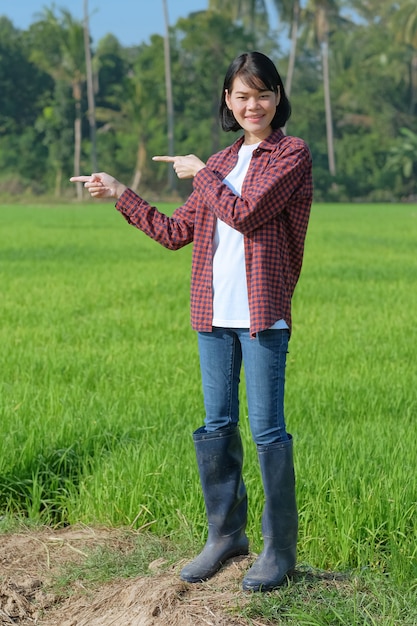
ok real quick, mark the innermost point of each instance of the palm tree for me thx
(289, 11)
(170, 102)
(90, 89)
(405, 25)
(123, 109)
(253, 14)
(318, 14)
(60, 53)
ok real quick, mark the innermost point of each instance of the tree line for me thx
(69, 104)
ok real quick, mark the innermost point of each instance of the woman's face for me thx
(254, 110)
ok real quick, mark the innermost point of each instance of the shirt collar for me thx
(267, 144)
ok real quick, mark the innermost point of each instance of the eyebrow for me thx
(246, 92)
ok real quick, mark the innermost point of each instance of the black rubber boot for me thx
(279, 519)
(220, 458)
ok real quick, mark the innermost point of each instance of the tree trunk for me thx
(293, 49)
(413, 83)
(170, 102)
(140, 162)
(328, 108)
(77, 137)
(90, 90)
(58, 182)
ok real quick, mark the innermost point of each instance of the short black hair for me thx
(256, 70)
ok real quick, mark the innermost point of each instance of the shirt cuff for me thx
(128, 202)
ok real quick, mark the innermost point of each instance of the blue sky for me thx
(131, 21)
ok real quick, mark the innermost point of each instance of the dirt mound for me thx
(29, 560)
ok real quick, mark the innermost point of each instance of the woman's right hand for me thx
(185, 166)
(101, 185)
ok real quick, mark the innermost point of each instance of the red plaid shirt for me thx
(272, 213)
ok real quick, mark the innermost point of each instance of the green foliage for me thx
(402, 158)
(372, 88)
(20, 99)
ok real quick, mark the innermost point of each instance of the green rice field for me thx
(100, 388)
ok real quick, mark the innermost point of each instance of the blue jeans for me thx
(221, 354)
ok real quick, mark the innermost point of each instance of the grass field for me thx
(100, 391)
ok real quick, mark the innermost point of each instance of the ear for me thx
(227, 99)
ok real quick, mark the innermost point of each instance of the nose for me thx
(253, 103)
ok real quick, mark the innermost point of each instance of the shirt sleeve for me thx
(267, 189)
(171, 232)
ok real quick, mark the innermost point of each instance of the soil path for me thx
(29, 561)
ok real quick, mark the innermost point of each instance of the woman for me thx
(247, 218)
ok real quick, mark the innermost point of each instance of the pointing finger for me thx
(80, 179)
(165, 159)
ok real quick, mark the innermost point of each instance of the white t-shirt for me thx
(230, 290)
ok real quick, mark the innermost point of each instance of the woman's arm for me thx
(273, 180)
(171, 232)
